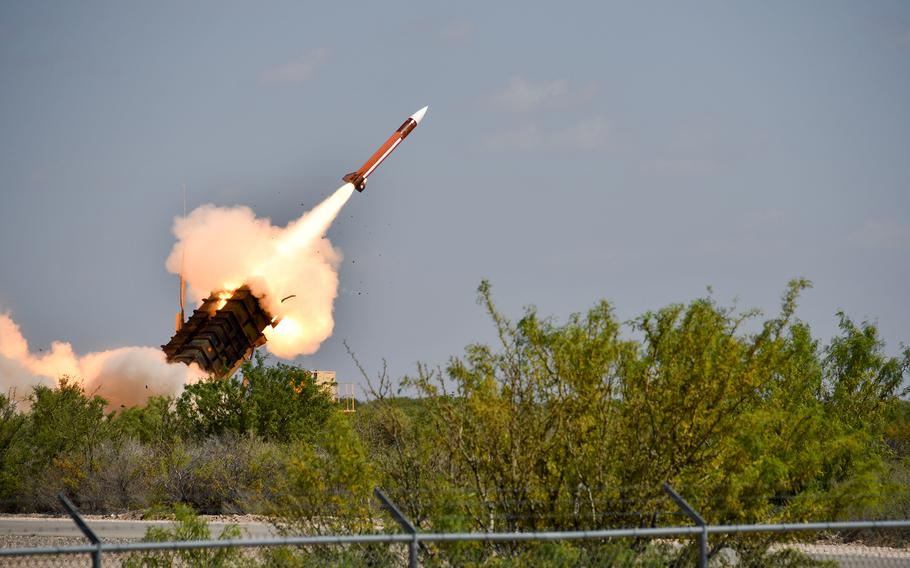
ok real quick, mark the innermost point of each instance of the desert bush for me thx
(561, 425)
(221, 474)
(221, 446)
(152, 424)
(11, 424)
(286, 403)
(54, 446)
(394, 431)
(280, 403)
(189, 526)
(577, 425)
(329, 483)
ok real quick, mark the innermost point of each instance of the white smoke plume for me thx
(125, 376)
(217, 249)
(221, 248)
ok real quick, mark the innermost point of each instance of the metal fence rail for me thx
(627, 543)
(297, 541)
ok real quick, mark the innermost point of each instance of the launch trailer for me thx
(221, 333)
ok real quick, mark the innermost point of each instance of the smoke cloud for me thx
(127, 376)
(222, 248)
(217, 249)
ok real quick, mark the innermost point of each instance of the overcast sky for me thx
(636, 152)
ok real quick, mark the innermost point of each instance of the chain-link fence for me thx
(856, 543)
(824, 544)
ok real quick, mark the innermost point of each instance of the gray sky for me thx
(574, 152)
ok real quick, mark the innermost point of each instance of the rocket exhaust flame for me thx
(221, 249)
(226, 247)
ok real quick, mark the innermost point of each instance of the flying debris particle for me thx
(288, 297)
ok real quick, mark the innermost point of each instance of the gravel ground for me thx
(857, 555)
(139, 516)
(34, 541)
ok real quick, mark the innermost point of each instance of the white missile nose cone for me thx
(419, 114)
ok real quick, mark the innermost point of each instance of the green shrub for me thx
(188, 526)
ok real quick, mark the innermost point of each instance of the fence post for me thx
(403, 522)
(86, 530)
(692, 514)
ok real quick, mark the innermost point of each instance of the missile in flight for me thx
(359, 178)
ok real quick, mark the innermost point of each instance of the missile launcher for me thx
(228, 326)
(221, 333)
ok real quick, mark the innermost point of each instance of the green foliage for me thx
(897, 429)
(53, 447)
(329, 485)
(213, 407)
(572, 426)
(897, 437)
(279, 403)
(394, 431)
(330, 556)
(220, 474)
(330, 482)
(150, 424)
(11, 424)
(860, 380)
(220, 446)
(288, 404)
(63, 421)
(569, 424)
(188, 526)
(562, 554)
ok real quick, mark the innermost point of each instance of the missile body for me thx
(359, 178)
